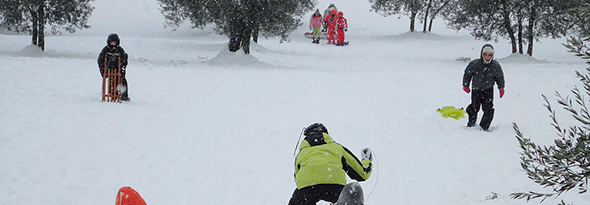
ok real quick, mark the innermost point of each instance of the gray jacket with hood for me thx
(483, 75)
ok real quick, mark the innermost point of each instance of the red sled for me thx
(309, 34)
(128, 196)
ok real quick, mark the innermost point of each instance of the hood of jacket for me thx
(482, 50)
(315, 139)
(113, 38)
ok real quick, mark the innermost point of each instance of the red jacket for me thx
(331, 20)
(341, 23)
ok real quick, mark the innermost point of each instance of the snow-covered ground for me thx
(206, 126)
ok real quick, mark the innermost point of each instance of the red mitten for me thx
(501, 92)
(466, 89)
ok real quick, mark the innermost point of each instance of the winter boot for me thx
(472, 119)
(124, 89)
(486, 119)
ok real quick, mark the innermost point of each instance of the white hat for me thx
(487, 49)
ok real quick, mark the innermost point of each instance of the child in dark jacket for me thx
(109, 58)
(482, 74)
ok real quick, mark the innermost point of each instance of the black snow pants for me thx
(125, 94)
(485, 100)
(312, 194)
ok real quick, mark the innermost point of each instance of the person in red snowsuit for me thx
(326, 14)
(341, 26)
(331, 20)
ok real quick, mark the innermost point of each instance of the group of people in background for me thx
(332, 22)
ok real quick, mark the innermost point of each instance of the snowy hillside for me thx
(205, 126)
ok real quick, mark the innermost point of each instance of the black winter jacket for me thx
(111, 55)
(483, 75)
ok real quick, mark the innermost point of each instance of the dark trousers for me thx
(485, 100)
(313, 194)
(125, 94)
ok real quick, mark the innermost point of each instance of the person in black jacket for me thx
(110, 55)
(484, 72)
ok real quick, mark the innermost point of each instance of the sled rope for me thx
(376, 176)
(299, 140)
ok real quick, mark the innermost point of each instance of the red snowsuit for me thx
(341, 26)
(331, 20)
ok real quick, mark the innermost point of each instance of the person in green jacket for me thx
(322, 165)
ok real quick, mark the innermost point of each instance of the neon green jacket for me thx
(323, 161)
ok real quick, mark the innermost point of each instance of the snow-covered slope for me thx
(210, 127)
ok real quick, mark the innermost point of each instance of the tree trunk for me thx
(234, 42)
(246, 40)
(236, 32)
(413, 20)
(255, 34)
(520, 43)
(508, 25)
(530, 28)
(426, 15)
(41, 16)
(436, 13)
(35, 20)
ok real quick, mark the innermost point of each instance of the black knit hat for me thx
(315, 127)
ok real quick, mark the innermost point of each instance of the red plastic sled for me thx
(128, 196)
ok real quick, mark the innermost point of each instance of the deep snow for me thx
(206, 126)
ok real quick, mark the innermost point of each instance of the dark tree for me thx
(406, 7)
(486, 19)
(520, 21)
(579, 16)
(33, 15)
(240, 20)
(437, 7)
(425, 10)
(542, 19)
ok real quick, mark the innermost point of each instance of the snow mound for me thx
(419, 35)
(416, 35)
(228, 58)
(520, 58)
(32, 51)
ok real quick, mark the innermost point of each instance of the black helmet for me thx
(113, 37)
(315, 127)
